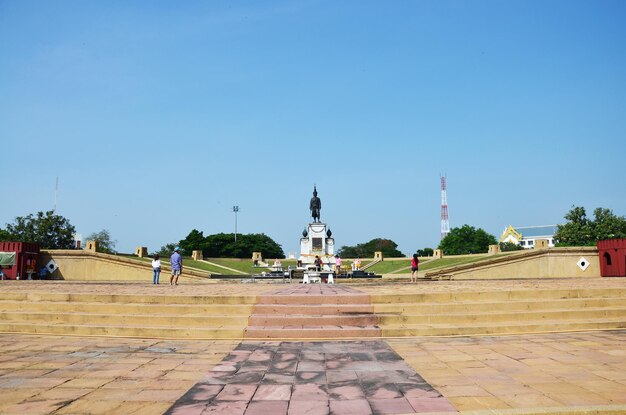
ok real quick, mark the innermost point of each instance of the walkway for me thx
(568, 373)
(562, 373)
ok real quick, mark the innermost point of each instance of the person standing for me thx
(414, 267)
(156, 269)
(176, 260)
(337, 264)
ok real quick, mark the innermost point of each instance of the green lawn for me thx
(403, 266)
(187, 262)
(388, 266)
(450, 261)
(246, 265)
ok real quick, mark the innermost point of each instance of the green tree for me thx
(47, 229)
(105, 243)
(166, 250)
(579, 230)
(195, 241)
(510, 246)
(365, 250)
(607, 225)
(4, 235)
(466, 240)
(425, 252)
(223, 245)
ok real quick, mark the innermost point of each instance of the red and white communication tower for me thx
(445, 224)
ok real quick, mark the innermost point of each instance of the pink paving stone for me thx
(278, 378)
(431, 405)
(237, 393)
(420, 393)
(346, 393)
(310, 366)
(267, 408)
(384, 393)
(350, 407)
(238, 358)
(225, 367)
(272, 393)
(285, 357)
(319, 407)
(312, 376)
(206, 392)
(309, 392)
(335, 376)
(391, 406)
(189, 409)
(260, 357)
(399, 365)
(334, 364)
(284, 365)
(226, 408)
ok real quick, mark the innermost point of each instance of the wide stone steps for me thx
(319, 309)
(129, 298)
(313, 299)
(306, 320)
(215, 320)
(288, 332)
(497, 296)
(313, 312)
(128, 308)
(124, 331)
(316, 311)
(500, 312)
(503, 317)
(152, 316)
(492, 306)
(401, 330)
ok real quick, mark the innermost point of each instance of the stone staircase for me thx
(500, 312)
(155, 316)
(313, 311)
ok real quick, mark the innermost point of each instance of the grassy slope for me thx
(402, 266)
(388, 266)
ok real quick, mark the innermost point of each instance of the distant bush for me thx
(223, 245)
(366, 250)
(510, 246)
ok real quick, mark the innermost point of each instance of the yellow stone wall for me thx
(542, 263)
(78, 265)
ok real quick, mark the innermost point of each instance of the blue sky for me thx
(158, 117)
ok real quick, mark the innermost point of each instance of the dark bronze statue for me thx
(315, 206)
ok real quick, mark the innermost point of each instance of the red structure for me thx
(612, 253)
(26, 256)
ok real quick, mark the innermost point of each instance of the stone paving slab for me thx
(78, 375)
(568, 373)
(323, 373)
(567, 370)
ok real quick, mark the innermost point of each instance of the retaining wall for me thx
(79, 265)
(540, 263)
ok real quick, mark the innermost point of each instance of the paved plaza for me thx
(576, 372)
(561, 373)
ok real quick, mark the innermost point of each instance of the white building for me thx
(525, 236)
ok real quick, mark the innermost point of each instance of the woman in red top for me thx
(414, 266)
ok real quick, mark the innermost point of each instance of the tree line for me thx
(52, 231)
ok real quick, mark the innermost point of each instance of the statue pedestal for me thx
(316, 242)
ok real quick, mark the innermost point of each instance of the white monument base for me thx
(316, 242)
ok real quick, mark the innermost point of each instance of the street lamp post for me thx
(235, 210)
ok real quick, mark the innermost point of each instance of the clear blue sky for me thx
(158, 117)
